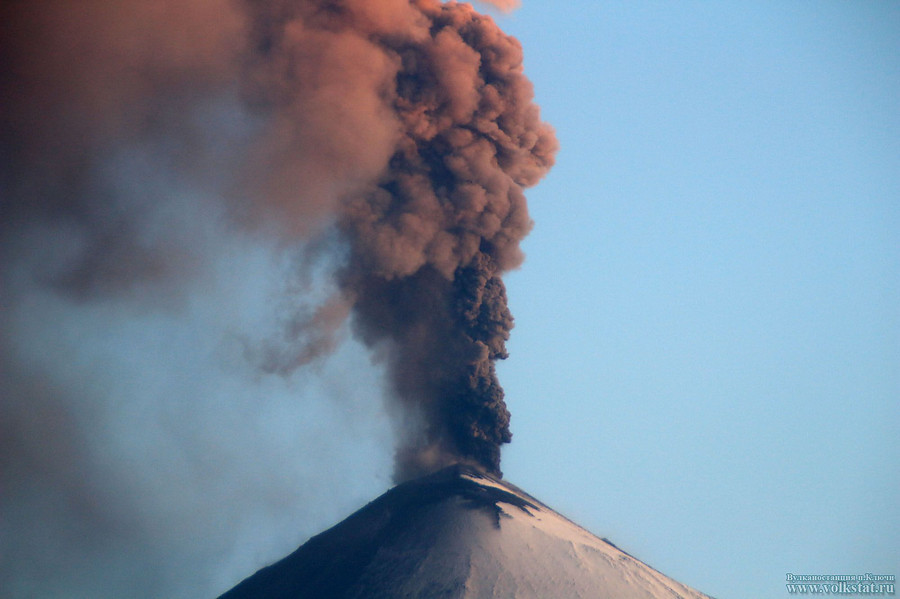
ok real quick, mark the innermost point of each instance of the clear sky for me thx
(705, 367)
(706, 362)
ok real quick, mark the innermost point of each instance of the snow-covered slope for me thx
(458, 534)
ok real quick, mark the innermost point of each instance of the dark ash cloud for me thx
(167, 168)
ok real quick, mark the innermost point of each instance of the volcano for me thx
(458, 534)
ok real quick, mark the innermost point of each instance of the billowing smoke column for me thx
(406, 127)
(431, 236)
(440, 210)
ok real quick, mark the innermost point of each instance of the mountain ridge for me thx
(458, 534)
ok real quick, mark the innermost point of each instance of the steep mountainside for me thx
(458, 534)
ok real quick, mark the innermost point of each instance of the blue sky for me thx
(705, 361)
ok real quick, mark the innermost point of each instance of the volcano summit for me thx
(458, 534)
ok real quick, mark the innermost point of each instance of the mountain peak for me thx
(458, 533)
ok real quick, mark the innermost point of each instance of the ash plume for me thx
(431, 236)
(147, 150)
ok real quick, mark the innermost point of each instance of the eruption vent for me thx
(405, 126)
